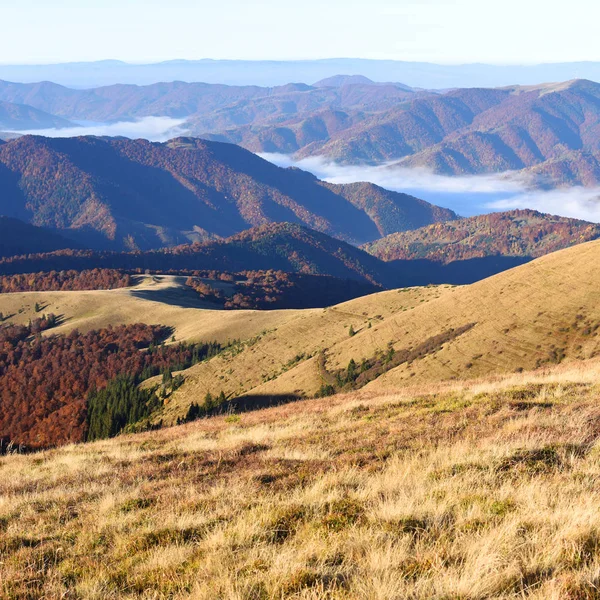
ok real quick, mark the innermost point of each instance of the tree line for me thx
(71, 280)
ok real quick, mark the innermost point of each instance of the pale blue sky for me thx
(446, 31)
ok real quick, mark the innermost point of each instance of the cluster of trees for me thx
(196, 411)
(121, 403)
(47, 382)
(11, 335)
(274, 289)
(356, 375)
(93, 279)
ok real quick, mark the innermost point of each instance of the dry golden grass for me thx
(162, 300)
(455, 491)
(282, 358)
(542, 313)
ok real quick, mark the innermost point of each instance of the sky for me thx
(442, 31)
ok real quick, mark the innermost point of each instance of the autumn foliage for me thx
(45, 381)
(93, 279)
(273, 289)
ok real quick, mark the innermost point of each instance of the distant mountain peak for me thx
(294, 87)
(341, 80)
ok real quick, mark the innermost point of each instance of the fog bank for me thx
(155, 129)
(468, 196)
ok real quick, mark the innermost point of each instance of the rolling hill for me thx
(533, 316)
(114, 193)
(542, 313)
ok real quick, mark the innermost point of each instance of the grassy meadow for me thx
(453, 491)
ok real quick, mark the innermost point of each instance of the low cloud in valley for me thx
(467, 196)
(155, 129)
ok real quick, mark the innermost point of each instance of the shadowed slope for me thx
(18, 238)
(132, 194)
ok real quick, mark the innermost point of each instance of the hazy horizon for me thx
(179, 59)
(465, 31)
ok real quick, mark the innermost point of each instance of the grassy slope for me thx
(161, 300)
(272, 339)
(521, 316)
(414, 487)
(471, 492)
(282, 360)
(537, 314)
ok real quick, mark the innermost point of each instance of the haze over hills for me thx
(273, 72)
(119, 193)
(23, 117)
(227, 105)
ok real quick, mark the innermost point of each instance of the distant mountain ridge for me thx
(227, 105)
(23, 117)
(115, 193)
(273, 72)
(286, 247)
(457, 252)
(549, 133)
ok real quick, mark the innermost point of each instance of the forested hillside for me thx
(114, 193)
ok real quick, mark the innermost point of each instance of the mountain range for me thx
(115, 193)
(273, 72)
(220, 378)
(285, 247)
(224, 106)
(549, 134)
